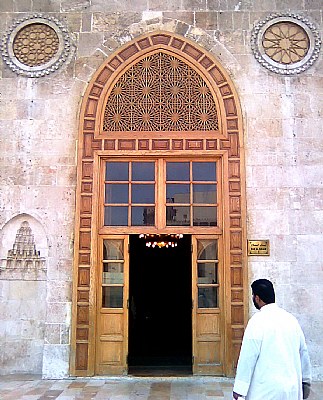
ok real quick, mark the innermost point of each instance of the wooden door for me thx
(112, 319)
(208, 346)
(201, 118)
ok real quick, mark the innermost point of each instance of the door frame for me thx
(93, 143)
(187, 252)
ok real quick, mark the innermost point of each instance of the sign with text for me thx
(258, 247)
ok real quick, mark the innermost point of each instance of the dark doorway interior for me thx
(160, 308)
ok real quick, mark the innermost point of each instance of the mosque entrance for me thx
(160, 308)
(160, 151)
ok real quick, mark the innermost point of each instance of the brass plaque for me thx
(258, 247)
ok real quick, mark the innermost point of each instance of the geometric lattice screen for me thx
(160, 93)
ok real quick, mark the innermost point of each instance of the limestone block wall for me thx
(283, 153)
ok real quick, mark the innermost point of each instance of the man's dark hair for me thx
(264, 289)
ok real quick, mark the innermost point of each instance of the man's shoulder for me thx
(286, 314)
(271, 311)
(256, 319)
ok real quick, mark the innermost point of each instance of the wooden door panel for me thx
(209, 358)
(112, 322)
(208, 325)
(208, 343)
(209, 353)
(111, 354)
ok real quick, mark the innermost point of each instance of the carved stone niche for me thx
(23, 261)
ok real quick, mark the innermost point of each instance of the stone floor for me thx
(28, 387)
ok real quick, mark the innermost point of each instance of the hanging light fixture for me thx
(161, 240)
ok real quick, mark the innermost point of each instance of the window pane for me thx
(207, 272)
(207, 249)
(208, 297)
(115, 215)
(112, 273)
(143, 193)
(178, 171)
(204, 194)
(178, 216)
(143, 216)
(204, 171)
(116, 193)
(113, 249)
(177, 193)
(204, 216)
(143, 171)
(112, 297)
(116, 171)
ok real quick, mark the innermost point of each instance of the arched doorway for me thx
(160, 153)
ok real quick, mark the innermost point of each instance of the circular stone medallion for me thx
(36, 46)
(285, 43)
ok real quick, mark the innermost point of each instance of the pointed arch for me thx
(97, 138)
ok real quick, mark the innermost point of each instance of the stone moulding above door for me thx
(226, 142)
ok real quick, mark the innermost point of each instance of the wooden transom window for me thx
(160, 193)
(160, 93)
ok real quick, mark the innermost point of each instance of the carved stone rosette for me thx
(36, 46)
(285, 43)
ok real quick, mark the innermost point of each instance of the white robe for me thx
(273, 360)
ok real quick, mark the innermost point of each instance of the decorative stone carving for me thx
(37, 45)
(24, 254)
(285, 43)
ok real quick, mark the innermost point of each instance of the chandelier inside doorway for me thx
(161, 240)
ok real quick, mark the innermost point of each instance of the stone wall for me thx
(283, 151)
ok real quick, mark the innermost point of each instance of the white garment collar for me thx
(268, 306)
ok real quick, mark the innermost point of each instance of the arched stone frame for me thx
(7, 238)
(227, 143)
(24, 275)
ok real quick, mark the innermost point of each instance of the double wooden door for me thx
(160, 306)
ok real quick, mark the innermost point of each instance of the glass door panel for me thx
(117, 193)
(207, 273)
(160, 194)
(143, 171)
(191, 189)
(117, 171)
(178, 216)
(178, 171)
(112, 273)
(130, 193)
(204, 171)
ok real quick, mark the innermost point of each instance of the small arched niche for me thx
(23, 249)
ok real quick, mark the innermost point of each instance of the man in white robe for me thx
(274, 361)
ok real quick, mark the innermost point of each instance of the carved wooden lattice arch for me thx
(160, 93)
(124, 111)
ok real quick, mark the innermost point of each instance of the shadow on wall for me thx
(23, 255)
